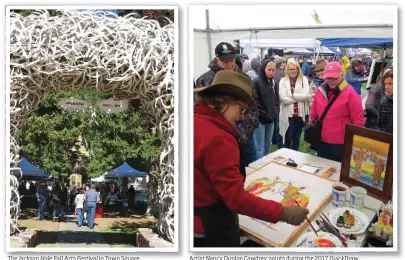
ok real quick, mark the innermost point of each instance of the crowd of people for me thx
(60, 199)
(241, 104)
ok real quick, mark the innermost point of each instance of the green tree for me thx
(51, 138)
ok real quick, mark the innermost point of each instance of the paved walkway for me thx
(70, 235)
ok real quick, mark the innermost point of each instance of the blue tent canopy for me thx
(125, 171)
(32, 172)
(357, 42)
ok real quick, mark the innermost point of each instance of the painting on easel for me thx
(288, 186)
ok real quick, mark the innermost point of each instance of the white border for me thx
(292, 249)
(175, 247)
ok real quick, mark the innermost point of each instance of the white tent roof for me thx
(98, 179)
(325, 50)
(280, 43)
(364, 51)
(291, 21)
(264, 26)
(298, 50)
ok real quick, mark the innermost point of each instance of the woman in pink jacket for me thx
(347, 109)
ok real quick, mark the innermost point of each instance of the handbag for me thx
(313, 132)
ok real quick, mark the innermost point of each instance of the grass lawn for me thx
(121, 232)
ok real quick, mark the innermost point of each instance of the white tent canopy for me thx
(249, 24)
(98, 179)
(364, 51)
(224, 17)
(325, 50)
(298, 50)
(281, 43)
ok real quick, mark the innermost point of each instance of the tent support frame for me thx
(353, 26)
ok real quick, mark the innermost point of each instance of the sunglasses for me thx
(242, 107)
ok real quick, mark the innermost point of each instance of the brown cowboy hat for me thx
(320, 65)
(233, 83)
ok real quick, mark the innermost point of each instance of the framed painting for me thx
(288, 186)
(367, 161)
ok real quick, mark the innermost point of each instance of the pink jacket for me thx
(347, 109)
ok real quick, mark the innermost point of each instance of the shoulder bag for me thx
(313, 132)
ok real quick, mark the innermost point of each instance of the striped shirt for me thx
(292, 85)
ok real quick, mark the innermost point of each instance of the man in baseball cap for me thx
(225, 59)
(225, 51)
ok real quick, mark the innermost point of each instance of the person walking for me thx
(79, 201)
(91, 198)
(294, 108)
(346, 109)
(56, 200)
(42, 193)
(219, 194)
(267, 101)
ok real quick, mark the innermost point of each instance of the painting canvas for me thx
(285, 185)
(368, 161)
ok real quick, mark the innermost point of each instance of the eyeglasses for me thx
(321, 70)
(242, 107)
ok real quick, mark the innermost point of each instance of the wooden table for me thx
(371, 205)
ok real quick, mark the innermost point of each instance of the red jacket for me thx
(347, 109)
(216, 169)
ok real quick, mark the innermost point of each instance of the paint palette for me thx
(323, 240)
(360, 220)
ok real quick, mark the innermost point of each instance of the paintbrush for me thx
(327, 219)
(308, 220)
(332, 230)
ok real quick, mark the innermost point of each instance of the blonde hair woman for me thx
(294, 96)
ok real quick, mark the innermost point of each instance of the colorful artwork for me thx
(323, 240)
(288, 186)
(290, 193)
(368, 161)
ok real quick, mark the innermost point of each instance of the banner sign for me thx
(113, 106)
(73, 104)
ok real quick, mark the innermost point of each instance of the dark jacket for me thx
(372, 106)
(267, 98)
(206, 78)
(385, 122)
(250, 121)
(217, 178)
(278, 75)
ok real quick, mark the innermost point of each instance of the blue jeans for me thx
(332, 152)
(56, 209)
(293, 134)
(263, 135)
(91, 212)
(41, 207)
(79, 216)
(249, 151)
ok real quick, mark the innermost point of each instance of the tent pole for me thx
(293, 28)
(207, 20)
